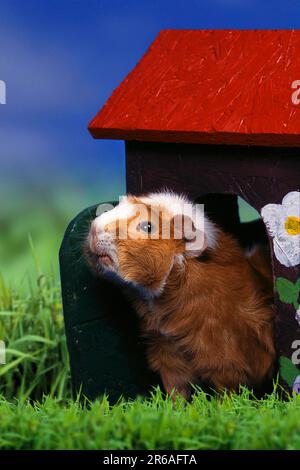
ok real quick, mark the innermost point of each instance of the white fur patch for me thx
(179, 204)
(124, 210)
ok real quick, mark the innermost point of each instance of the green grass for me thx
(32, 327)
(235, 422)
(37, 412)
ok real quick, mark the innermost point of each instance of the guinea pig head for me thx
(141, 239)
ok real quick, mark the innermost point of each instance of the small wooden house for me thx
(212, 114)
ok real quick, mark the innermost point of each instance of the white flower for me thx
(283, 224)
(297, 316)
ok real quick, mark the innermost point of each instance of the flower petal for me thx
(297, 316)
(291, 199)
(272, 215)
(287, 250)
(296, 386)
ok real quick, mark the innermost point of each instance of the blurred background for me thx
(60, 60)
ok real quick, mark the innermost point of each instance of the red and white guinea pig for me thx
(205, 307)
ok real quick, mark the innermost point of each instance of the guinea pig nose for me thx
(97, 228)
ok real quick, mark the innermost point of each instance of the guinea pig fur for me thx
(205, 308)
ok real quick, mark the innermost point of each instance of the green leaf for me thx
(288, 291)
(288, 370)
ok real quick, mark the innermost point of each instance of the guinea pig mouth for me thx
(105, 260)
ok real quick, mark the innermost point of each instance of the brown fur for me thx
(212, 321)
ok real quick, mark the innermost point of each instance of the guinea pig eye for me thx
(146, 227)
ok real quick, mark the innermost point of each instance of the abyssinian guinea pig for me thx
(205, 307)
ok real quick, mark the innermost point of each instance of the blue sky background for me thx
(61, 59)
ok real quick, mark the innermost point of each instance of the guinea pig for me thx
(204, 306)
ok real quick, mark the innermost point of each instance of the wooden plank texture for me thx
(209, 86)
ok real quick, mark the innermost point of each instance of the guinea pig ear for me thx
(195, 238)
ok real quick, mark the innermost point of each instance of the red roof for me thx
(209, 86)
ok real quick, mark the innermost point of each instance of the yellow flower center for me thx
(292, 225)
